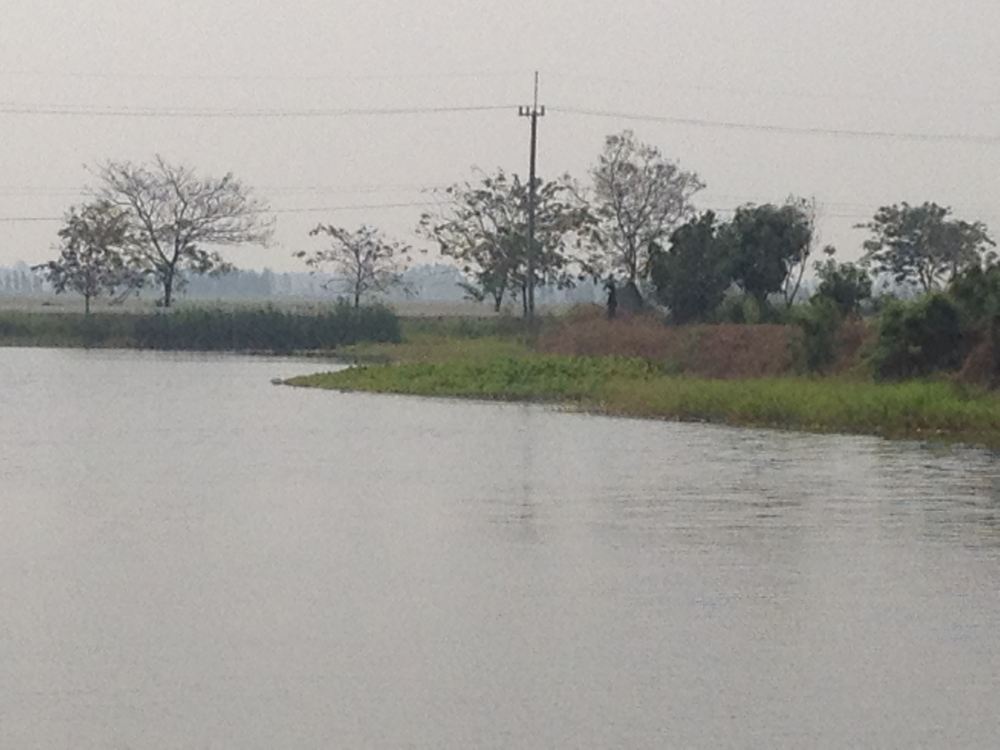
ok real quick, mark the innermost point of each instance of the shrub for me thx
(744, 309)
(919, 338)
(820, 322)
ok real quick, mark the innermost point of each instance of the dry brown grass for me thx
(713, 351)
(981, 365)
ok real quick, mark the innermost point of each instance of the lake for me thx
(191, 557)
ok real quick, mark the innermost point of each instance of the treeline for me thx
(633, 226)
(749, 270)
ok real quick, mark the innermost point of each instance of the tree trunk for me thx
(995, 349)
(632, 263)
(793, 293)
(86, 304)
(763, 311)
(498, 295)
(357, 298)
(168, 288)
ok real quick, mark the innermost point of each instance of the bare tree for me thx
(362, 261)
(641, 197)
(175, 216)
(809, 209)
(92, 259)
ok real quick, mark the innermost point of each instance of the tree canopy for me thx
(92, 259)
(640, 197)
(846, 285)
(175, 217)
(765, 242)
(692, 274)
(483, 225)
(362, 261)
(922, 245)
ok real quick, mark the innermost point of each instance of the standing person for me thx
(612, 297)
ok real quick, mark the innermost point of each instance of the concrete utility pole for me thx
(534, 112)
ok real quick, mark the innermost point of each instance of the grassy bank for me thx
(634, 387)
(265, 329)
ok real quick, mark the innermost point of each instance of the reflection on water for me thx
(191, 557)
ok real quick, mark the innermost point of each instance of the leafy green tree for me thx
(640, 197)
(923, 245)
(483, 225)
(92, 260)
(362, 262)
(847, 285)
(977, 292)
(764, 243)
(691, 276)
(174, 216)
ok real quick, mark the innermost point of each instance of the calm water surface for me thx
(191, 557)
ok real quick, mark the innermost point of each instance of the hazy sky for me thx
(905, 66)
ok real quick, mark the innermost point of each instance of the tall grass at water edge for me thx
(204, 329)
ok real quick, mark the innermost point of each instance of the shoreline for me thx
(913, 410)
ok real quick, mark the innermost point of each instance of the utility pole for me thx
(534, 112)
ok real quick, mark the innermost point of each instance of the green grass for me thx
(632, 387)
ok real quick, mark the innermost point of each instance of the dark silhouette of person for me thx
(612, 297)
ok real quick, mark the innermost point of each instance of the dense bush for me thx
(919, 338)
(742, 309)
(820, 321)
(977, 294)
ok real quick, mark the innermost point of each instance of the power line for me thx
(9, 108)
(290, 210)
(131, 75)
(854, 216)
(787, 129)
(410, 187)
(756, 93)
(18, 191)
(617, 82)
(357, 207)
